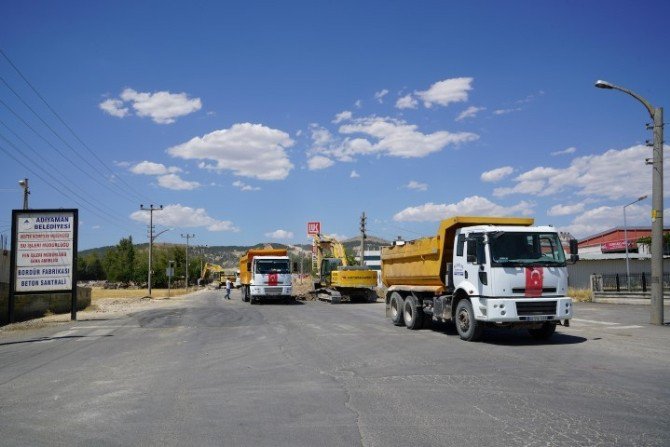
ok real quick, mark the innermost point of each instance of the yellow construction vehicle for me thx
(337, 281)
(207, 270)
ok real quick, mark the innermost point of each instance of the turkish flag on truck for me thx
(534, 280)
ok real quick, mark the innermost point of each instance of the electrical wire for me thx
(69, 128)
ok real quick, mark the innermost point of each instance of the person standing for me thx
(229, 285)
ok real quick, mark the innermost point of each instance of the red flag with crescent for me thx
(534, 280)
(273, 279)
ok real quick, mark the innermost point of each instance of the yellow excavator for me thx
(207, 269)
(337, 281)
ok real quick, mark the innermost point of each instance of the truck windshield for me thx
(513, 249)
(272, 266)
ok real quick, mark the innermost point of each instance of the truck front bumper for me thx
(271, 291)
(522, 310)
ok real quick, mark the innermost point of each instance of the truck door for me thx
(477, 271)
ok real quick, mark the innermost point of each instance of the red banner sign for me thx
(313, 228)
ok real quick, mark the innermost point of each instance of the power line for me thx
(62, 121)
(56, 134)
(113, 217)
(83, 171)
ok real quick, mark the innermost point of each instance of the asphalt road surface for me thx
(204, 371)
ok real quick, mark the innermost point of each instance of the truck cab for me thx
(270, 279)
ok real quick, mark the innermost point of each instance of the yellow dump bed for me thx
(423, 262)
(245, 261)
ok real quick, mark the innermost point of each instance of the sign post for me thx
(169, 272)
(313, 229)
(44, 254)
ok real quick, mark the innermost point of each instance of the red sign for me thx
(617, 246)
(313, 228)
(534, 280)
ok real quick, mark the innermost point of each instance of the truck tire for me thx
(545, 332)
(413, 313)
(397, 304)
(467, 327)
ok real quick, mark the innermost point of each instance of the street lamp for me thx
(625, 236)
(656, 114)
(26, 192)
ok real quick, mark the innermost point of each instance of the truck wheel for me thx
(397, 304)
(468, 328)
(412, 313)
(543, 333)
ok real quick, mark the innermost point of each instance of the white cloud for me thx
(591, 176)
(570, 150)
(96, 227)
(470, 112)
(406, 102)
(565, 210)
(150, 168)
(280, 234)
(184, 216)
(354, 174)
(506, 111)
(342, 116)
(248, 150)
(114, 107)
(173, 181)
(379, 96)
(473, 206)
(358, 104)
(394, 138)
(605, 217)
(320, 135)
(495, 175)
(162, 107)
(337, 237)
(244, 187)
(417, 186)
(443, 93)
(319, 162)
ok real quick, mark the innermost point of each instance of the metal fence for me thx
(639, 282)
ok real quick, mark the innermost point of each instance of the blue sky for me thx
(246, 120)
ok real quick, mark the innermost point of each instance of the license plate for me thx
(536, 318)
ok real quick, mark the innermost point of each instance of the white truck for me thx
(478, 272)
(265, 274)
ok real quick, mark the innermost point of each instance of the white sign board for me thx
(44, 251)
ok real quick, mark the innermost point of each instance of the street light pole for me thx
(26, 192)
(656, 114)
(625, 237)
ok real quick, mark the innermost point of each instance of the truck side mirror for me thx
(481, 254)
(574, 249)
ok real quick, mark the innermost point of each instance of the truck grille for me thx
(544, 290)
(536, 308)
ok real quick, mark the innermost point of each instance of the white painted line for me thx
(607, 323)
(627, 327)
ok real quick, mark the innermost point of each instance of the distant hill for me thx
(228, 256)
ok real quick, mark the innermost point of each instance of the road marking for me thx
(607, 323)
(627, 327)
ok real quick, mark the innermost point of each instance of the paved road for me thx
(205, 371)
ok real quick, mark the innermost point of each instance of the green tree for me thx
(120, 261)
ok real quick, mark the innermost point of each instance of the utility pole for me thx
(363, 237)
(151, 210)
(187, 237)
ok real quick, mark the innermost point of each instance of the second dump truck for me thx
(265, 274)
(478, 272)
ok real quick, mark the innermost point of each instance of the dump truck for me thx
(265, 274)
(338, 281)
(480, 272)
